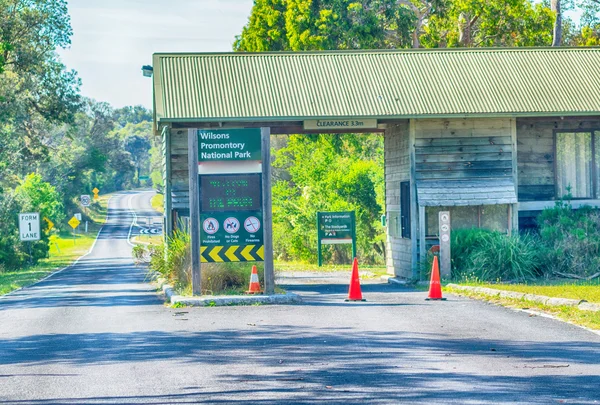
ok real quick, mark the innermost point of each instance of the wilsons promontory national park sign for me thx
(232, 144)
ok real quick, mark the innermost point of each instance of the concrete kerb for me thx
(541, 299)
(225, 300)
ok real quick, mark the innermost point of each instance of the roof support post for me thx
(414, 213)
(267, 211)
(194, 210)
(514, 210)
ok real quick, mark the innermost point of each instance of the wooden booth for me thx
(491, 135)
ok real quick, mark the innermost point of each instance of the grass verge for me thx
(578, 290)
(65, 248)
(377, 270)
(570, 314)
(158, 203)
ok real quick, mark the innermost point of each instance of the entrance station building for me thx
(491, 135)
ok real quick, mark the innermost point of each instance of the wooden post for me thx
(194, 210)
(267, 211)
(168, 215)
(414, 213)
(444, 224)
(514, 208)
(422, 241)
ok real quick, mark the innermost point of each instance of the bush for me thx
(175, 266)
(570, 240)
(493, 256)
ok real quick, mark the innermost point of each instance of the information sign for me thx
(357, 123)
(335, 228)
(29, 226)
(240, 192)
(229, 144)
(225, 228)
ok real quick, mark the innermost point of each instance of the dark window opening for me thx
(405, 209)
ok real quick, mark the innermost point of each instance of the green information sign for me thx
(335, 228)
(229, 144)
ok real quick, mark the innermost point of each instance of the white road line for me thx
(134, 222)
(76, 261)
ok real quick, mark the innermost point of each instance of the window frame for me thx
(594, 168)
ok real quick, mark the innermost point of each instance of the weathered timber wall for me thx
(179, 169)
(535, 153)
(397, 169)
(454, 149)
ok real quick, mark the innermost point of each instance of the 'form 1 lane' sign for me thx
(29, 226)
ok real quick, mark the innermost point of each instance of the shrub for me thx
(570, 240)
(175, 266)
(492, 256)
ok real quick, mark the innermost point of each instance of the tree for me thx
(475, 23)
(35, 88)
(300, 25)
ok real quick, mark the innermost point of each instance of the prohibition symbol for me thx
(252, 224)
(231, 225)
(210, 225)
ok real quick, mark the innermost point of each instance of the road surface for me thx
(98, 333)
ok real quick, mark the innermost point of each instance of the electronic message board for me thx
(240, 192)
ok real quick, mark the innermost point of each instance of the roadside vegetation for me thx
(56, 145)
(64, 247)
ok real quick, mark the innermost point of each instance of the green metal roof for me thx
(382, 84)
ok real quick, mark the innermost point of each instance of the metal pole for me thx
(194, 210)
(319, 253)
(267, 211)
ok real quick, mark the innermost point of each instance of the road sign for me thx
(49, 223)
(210, 226)
(231, 225)
(29, 226)
(95, 190)
(252, 224)
(78, 216)
(241, 253)
(86, 200)
(74, 222)
(336, 228)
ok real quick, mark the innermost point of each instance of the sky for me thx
(113, 39)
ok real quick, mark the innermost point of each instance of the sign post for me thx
(335, 228)
(445, 264)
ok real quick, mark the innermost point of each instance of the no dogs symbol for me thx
(210, 225)
(231, 225)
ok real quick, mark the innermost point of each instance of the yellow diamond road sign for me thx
(74, 222)
(95, 190)
(50, 224)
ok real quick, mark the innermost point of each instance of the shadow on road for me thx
(299, 365)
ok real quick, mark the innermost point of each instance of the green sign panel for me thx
(231, 228)
(335, 228)
(229, 144)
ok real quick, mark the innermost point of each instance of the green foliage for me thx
(327, 173)
(297, 25)
(172, 259)
(494, 256)
(477, 23)
(570, 239)
(37, 195)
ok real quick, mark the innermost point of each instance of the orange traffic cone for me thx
(435, 288)
(354, 292)
(254, 287)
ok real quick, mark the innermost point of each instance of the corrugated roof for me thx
(466, 192)
(382, 84)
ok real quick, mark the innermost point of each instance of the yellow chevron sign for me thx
(222, 254)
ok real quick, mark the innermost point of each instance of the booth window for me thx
(492, 217)
(405, 209)
(577, 163)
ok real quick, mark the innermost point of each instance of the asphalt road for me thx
(98, 333)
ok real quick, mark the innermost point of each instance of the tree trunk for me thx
(557, 31)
